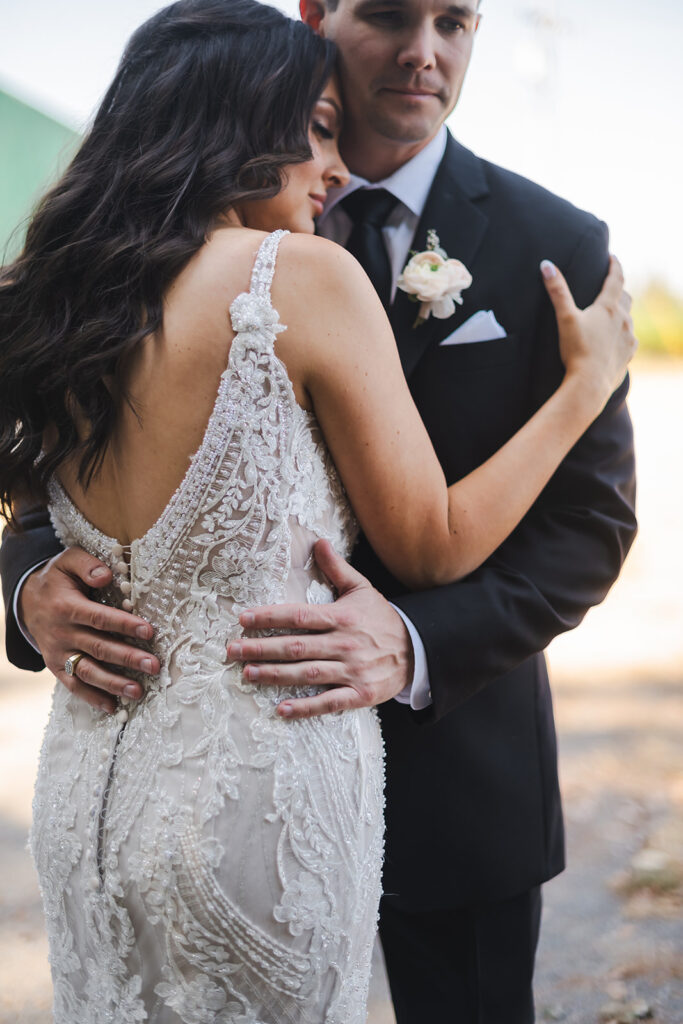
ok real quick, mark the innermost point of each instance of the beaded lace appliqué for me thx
(201, 859)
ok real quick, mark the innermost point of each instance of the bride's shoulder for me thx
(318, 256)
(224, 263)
(314, 274)
(196, 323)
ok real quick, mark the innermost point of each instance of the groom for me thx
(474, 821)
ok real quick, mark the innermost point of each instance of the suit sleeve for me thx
(19, 553)
(563, 557)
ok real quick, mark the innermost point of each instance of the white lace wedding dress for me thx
(201, 859)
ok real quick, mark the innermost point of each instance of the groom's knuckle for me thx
(129, 659)
(312, 672)
(65, 609)
(98, 650)
(348, 646)
(296, 648)
(302, 616)
(85, 671)
(98, 619)
(334, 704)
(364, 691)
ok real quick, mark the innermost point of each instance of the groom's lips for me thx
(415, 93)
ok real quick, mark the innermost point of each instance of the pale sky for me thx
(583, 96)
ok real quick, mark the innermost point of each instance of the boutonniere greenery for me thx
(434, 280)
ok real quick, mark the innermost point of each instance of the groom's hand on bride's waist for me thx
(55, 608)
(358, 647)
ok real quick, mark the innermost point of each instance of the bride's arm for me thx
(340, 349)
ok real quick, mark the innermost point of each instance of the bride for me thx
(201, 857)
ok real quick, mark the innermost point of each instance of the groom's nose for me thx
(417, 52)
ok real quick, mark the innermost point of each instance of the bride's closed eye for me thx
(321, 130)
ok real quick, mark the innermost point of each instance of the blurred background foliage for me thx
(658, 319)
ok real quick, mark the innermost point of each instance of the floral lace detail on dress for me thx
(202, 859)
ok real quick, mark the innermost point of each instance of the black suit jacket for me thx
(473, 807)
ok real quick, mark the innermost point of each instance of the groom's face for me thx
(402, 61)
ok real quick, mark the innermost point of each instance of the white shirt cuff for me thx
(15, 606)
(417, 693)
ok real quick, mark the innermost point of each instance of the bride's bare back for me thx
(172, 381)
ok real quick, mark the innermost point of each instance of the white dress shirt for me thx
(410, 184)
(15, 605)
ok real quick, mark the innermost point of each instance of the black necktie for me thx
(369, 209)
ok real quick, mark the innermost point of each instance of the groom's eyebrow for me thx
(462, 10)
(456, 10)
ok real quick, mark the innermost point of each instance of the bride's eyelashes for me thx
(321, 130)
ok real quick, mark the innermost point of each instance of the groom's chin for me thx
(408, 126)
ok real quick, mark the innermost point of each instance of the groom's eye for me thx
(388, 18)
(451, 25)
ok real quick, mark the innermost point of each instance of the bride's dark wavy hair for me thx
(210, 103)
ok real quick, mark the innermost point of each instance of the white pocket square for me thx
(483, 326)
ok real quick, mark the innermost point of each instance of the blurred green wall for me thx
(34, 148)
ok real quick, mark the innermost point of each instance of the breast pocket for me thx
(475, 355)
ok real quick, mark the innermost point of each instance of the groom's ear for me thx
(313, 13)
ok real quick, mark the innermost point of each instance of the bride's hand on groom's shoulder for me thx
(596, 343)
(358, 646)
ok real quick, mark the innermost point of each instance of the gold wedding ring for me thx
(71, 663)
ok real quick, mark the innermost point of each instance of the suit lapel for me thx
(451, 210)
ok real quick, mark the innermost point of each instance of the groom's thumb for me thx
(341, 575)
(558, 291)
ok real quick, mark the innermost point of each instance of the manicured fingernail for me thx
(146, 665)
(235, 651)
(131, 691)
(252, 672)
(144, 632)
(548, 269)
(247, 618)
(286, 710)
(98, 572)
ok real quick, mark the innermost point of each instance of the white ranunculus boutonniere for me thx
(434, 280)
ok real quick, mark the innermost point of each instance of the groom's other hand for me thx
(56, 609)
(358, 646)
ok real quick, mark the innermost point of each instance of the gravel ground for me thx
(613, 929)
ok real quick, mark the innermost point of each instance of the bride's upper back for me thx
(172, 382)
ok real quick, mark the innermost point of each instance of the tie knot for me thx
(369, 206)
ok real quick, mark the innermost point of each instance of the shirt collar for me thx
(410, 184)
